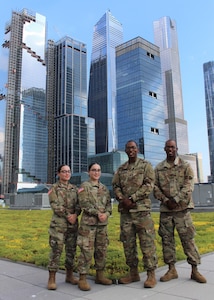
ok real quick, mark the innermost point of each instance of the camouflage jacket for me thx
(135, 180)
(176, 181)
(94, 198)
(63, 199)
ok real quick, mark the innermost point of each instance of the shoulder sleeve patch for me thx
(80, 190)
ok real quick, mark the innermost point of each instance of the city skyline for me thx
(136, 21)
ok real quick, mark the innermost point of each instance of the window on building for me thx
(150, 55)
(153, 94)
(154, 130)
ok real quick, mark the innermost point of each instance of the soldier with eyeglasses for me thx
(95, 203)
(174, 184)
(63, 229)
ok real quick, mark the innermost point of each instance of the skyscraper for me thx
(140, 104)
(25, 158)
(71, 132)
(208, 69)
(107, 35)
(165, 36)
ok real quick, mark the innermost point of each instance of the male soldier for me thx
(174, 183)
(132, 185)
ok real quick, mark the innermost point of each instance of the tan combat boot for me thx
(83, 284)
(70, 277)
(51, 281)
(151, 280)
(170, 274)
(100, 279)
(195, 275)
(133, 276)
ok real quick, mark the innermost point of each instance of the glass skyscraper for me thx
(73, 137)
(208, 69)
(140, 104)
(165, 36)
(25, 158)
(108, 34)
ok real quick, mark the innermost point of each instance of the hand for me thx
(171, 204)
(72, 218)
(102, 217)
(128, 204)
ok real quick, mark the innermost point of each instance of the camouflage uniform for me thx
(64, 201)
(136, 180)
(92, 234)
(176, 180)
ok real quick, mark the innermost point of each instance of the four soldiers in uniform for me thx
(171, 182)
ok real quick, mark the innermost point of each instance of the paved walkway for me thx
(22, 282)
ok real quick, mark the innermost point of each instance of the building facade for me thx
(197, 164)
(208, 69)
(71, 132)
(25, 123)
(108, 34)
(140, 104)
(165, 37)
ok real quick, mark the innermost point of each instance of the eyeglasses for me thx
(95, 170)
(131, 147)
(65, 171)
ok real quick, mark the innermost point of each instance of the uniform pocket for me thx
(83, 237)
(185, 227)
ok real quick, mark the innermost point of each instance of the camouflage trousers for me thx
(60, 236)
(182, 221)
(93, 241)
(138, 224)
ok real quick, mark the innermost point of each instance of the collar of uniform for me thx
(64, 184)
(127, 164)
(176, 162)
(94, 184)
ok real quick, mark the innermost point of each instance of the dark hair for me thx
(60, 168)
(171, 140)
(131, 141)
(92, 164)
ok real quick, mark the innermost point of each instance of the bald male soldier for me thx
(174, 183)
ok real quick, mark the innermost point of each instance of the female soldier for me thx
(63, 226)
(95, 203)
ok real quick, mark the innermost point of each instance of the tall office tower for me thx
(208, 69)
(165, 36)
(140, 104)
(25, 158)
(108, 34)
(73, 138)
(50, 96)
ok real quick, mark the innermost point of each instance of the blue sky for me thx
(195, 26)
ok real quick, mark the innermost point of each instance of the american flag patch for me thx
(80, 190)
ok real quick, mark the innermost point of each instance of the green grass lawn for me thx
(24, 237)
